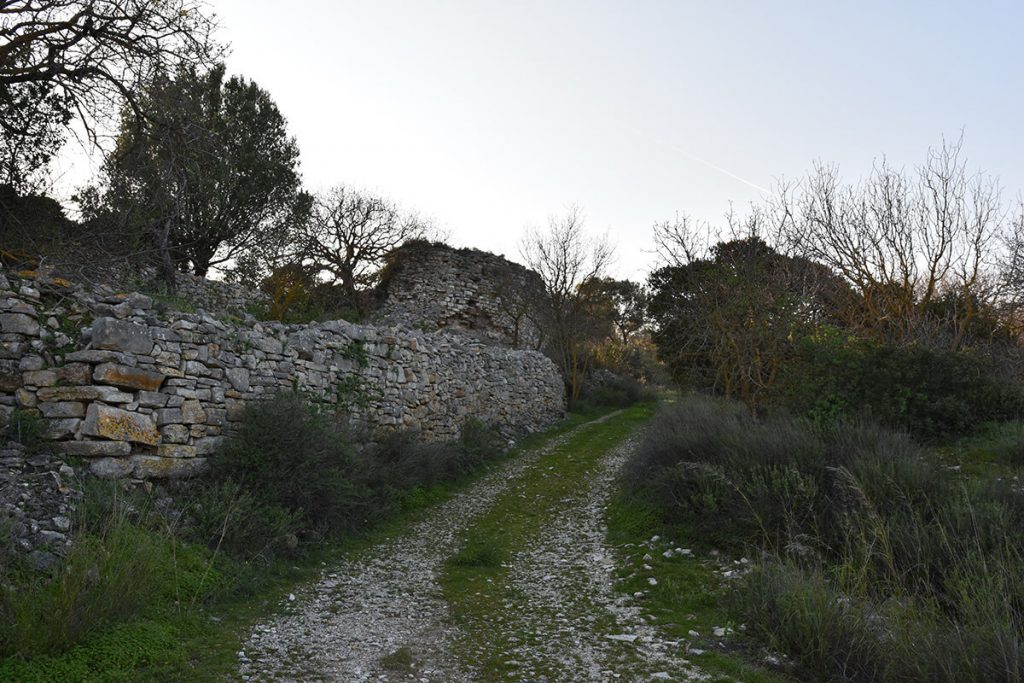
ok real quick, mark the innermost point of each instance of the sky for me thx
(488, 116)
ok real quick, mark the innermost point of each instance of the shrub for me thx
(294, 471)
(223, 515)
(929, 392)
(609, 390)
(288, 455)
(879, 563)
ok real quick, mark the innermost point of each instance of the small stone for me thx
(238, 377)
(169, 416)
(41, 560)
(152, 399)
(75, 373)
(652, 581)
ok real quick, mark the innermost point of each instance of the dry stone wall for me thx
(136, 391)
(467, 291)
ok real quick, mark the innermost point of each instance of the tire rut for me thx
(569, 620)
(381, 616)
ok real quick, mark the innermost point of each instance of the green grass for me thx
(691, 594)
(996, 449)
(475, 578)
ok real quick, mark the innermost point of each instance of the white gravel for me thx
(388, 599)
(563, 614)
(569, 619)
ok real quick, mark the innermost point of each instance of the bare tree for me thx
(914, 245)
(682, 240)
(350, 232)
(566, 258)
(95, 53)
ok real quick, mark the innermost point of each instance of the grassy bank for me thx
(877, 560)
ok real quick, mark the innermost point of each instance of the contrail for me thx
(707, 163)
(722, 170)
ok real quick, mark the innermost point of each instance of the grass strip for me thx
(475, 579)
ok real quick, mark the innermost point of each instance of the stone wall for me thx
(470, 292)
(217, 297)
(137, 391)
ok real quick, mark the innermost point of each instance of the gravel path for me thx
(382, 617)
(568, 617)
(371, 618)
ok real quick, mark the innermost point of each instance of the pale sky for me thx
(488, 116)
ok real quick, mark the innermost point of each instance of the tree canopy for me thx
(211, 176)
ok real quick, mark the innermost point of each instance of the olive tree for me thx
(210, 177)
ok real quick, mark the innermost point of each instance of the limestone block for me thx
(25, 398)
(173, 450)
(18, 323)
(98, 356)
(119, 425)
(155, 467)
(152, 399)
(90, 449)
(192, 412)
(239, 378)
(174, 433)
(236, 409)
(111, 468)
(62, 409)
(268, 345)
(39, 378)
(168, 416)
(63, 428)
(75, 373)
(119, 335)
(31, 362)
(127, 377)
(83, 393)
